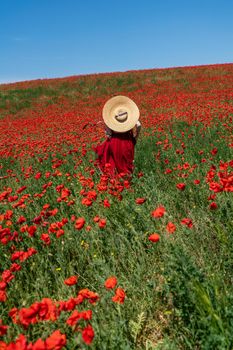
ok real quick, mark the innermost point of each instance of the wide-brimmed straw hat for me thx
(120, 113)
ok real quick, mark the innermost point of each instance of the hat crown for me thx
(121, 115)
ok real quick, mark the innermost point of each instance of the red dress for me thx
(116, 154)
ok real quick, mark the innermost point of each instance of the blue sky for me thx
(57, 38)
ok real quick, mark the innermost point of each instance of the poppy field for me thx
(90, 261)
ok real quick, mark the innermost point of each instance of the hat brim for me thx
(110, 110)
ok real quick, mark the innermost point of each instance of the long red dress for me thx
(116, 154)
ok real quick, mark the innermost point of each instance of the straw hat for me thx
(120, 113)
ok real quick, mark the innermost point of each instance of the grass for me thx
(178, 290)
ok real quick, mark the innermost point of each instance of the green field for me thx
(178, 290)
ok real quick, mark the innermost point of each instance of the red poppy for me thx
(65, 192)
(188, 222)
(56, 341)
(71, 281)
(76, 316)
(15, 267)
(88, 334)
(158, 212)
(119, 296)
(20, 343)
(28, 316)
(3, 329)
(171, 227)
(102, 223)
(79, 223)
(215, 187)
(92, 195)
(212, 197)
(37, 220)
(38, 176)
(47, 310)
(7, 276)
(52, 212)
(87, 202)
(196, 182)
(155, 237)
(106, 203)
(214, 151)
(86, 315)
(213, 206)
(110, 282)
(13, 314)
(3, 285)
(140, 200)
(31, 230)
(21, 220)
(88, 294)
(181, 186)
(96, 219)
(39, 345)
(45, 238)
(21, 189)
(64, 221)
(60, 233)
(73, 319)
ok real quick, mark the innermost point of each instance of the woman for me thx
(116, 153)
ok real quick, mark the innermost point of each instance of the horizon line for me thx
(12, 82)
